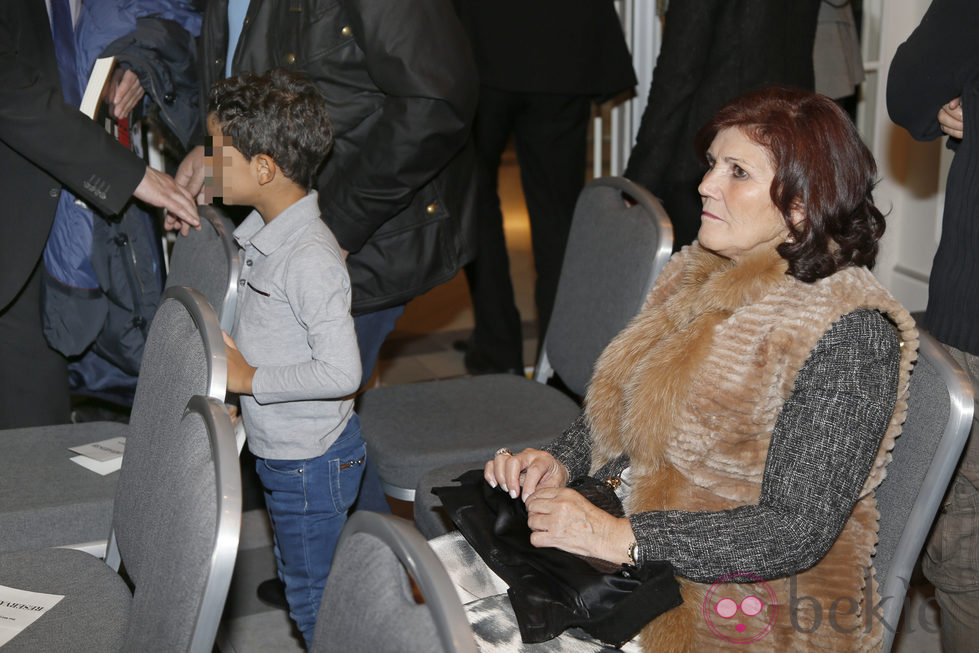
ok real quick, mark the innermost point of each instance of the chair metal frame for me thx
(205, 319)
(421, 563)
(225, 229)
(894, 585)
(228, 522)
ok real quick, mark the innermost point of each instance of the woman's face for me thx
(738, 217)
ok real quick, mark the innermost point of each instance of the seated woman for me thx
(750, 408)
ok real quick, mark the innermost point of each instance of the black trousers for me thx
(550, 133)
(33, 377)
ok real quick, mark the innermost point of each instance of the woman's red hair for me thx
(822, 167)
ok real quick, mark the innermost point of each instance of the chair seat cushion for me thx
(93, 614)
(47, 500)
(413, 428)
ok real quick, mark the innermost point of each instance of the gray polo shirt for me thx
(293, 323)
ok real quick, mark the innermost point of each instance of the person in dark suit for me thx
(45, 145)
(713, 51)
(541, 64)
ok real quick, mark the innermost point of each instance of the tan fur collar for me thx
(668, 342)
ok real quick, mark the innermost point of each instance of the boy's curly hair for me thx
(281, 114)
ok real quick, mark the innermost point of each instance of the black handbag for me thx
(550, 589)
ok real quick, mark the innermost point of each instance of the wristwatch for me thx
(633, 551)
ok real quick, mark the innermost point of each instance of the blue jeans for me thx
(308, 502)
(372, 329)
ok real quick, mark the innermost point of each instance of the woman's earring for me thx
(790, 240)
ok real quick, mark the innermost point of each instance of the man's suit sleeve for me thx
(36, 123)
(933, 66)
(418, 55)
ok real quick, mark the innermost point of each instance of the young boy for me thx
(293, 356)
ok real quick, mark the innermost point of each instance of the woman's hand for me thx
(528, 470)
(950, 118)
(240, 373)
(562, 518)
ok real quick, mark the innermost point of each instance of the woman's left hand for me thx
(562, 518)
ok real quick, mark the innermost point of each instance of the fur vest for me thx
(691, 390)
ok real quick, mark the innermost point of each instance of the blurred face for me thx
(227, 174)
(738, 218)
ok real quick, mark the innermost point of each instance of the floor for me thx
(421, 349)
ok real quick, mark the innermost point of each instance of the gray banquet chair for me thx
(176, 521)
(208, 261)
(940, 411)
(620, 239)
(368, 603)
(47, 500)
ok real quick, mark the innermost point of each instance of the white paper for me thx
(20, 608)
(101, 467)
(103, 450)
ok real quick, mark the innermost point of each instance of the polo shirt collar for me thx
(266, 238)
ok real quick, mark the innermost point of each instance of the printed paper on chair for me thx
(20, 608)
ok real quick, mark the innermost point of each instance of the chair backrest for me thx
(184, 356)
(940, 408)
(368, 604)
(208, 261)
(620, 239)
(179, 536)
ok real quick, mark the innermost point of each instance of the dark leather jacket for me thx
(161, 53)
(401, 87)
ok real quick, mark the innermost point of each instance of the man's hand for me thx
(125, 92)
(190, 174)
(950, 118)
(159, 189)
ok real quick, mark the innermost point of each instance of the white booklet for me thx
(98, 82)
(20, 608)
(103, 457)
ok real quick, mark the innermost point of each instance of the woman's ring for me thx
(504, 451)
